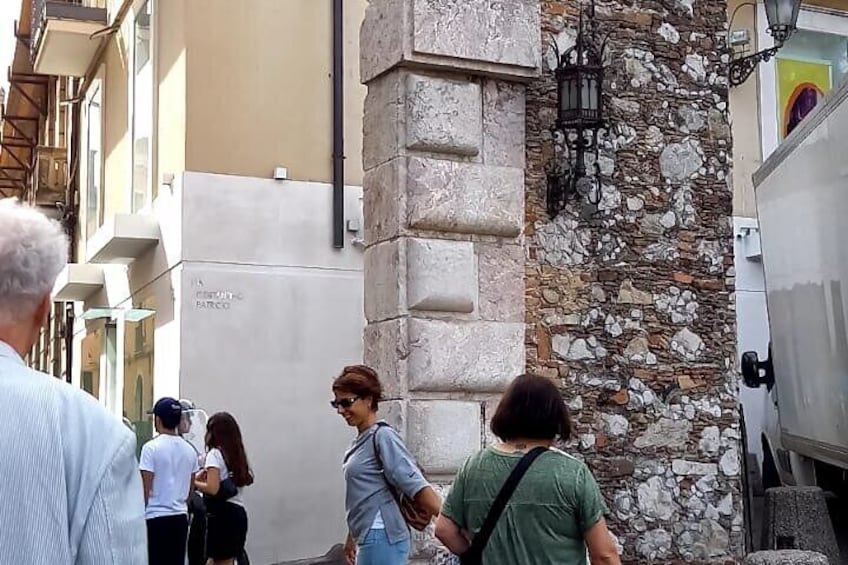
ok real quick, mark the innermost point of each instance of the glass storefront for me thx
(138, 372)
(92, 349)
(808, 68)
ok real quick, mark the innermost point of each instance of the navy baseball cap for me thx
(167, 408)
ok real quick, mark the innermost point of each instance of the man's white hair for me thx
(33, 250)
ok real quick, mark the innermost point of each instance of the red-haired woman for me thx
(376, 464)
(225, 474)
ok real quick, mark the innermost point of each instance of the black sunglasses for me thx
(344, 402)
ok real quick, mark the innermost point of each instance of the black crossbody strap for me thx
(498, 506)
(377, 447)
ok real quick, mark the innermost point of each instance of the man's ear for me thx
(42, 313)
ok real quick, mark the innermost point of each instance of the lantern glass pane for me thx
(585, 89)
(563, 95)
(782, 12)
(593, 95)
(786, 12)
(771, 12)
(573, 95)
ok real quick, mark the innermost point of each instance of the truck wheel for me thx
(771, 478)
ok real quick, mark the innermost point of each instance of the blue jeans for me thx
(376, 549)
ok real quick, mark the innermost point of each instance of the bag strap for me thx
(478, 544)
(376, 446)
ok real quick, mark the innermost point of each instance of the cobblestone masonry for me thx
(630, 304)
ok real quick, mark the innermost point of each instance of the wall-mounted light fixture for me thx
(782, 16)
(580, 88)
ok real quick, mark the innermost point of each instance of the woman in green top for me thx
(557, 512)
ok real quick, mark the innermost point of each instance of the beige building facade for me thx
(216, 247)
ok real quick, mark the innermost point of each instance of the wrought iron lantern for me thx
(580, 79)
(782, 16)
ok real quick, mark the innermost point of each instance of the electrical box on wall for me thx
(739, 38)
(751, 243)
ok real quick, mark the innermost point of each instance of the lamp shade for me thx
(782, 17)
(580, 96)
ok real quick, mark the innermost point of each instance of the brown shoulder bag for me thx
(414, 515)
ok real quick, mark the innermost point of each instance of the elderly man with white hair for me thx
(70, 492)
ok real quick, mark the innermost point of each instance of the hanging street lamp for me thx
(580, 101)
(782, 16)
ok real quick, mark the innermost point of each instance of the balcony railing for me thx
(75, 18)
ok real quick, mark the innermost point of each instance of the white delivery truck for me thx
(802, 204)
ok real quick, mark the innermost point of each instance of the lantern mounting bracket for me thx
(743, 67)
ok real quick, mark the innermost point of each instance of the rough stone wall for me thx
(444, 156)
(630, 303)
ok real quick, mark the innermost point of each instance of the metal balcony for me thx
(61, 42)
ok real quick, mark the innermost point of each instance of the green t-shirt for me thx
(544, 522)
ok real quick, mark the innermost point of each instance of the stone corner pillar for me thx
(444, 157)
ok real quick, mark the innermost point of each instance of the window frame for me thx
(95, 92)
(149, 195)
(809, 19)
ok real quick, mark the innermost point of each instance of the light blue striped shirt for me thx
(70, 490)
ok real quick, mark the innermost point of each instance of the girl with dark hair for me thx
(225, 474)
(554, 515)
(378, 471)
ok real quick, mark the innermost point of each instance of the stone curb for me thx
(786, 557)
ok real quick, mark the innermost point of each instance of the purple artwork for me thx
(806, 98)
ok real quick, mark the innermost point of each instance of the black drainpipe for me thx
(338, 125)
(71, 224)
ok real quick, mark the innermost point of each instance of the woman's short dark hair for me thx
(362, 381)
(531, 408)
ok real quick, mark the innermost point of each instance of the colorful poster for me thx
(801, 85)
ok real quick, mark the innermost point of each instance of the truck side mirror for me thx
(756, 373)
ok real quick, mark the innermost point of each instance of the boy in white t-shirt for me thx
(168, 465)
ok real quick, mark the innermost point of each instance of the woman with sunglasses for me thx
(376, 463)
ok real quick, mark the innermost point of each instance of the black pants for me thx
(166, 540)
(197, 530)
(226, 531)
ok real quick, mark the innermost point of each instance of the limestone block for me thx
(394, 413)
(443, 116)
(464, 356)
(665, 433)
(386, 351)
(504, 123)
(441, 275)
(382, 120)
(383, 200)
(681, 161)
(501, 282)
(486, 36)
(381, 37)
(385, 282)
(464, 197)
(490, 407)
(504, 31)
(443, 433)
